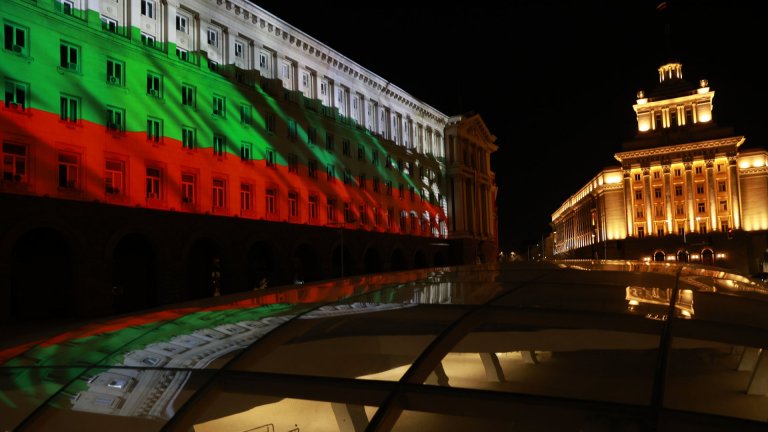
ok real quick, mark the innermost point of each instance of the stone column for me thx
(669, 215)
(733, 180)
(712, 195)
(689, 201)
(647, 197)
(628, 201)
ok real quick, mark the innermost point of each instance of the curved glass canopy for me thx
(567, 346)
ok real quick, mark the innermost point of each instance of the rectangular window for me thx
(656, 174)
(182, 23)
(182, 54)
(293, 163)
(213, 37)
(271, 201)
(375, 157)
(345, 147)
(219, 106)
(657, 192)
(331, 210)
(363, 214)
(219, 144)
(115, 72)
(69, 171)
(246, 198)
(154, 85)
(723, 205)
(115, 119)
(330, 172)
(108, 24)
(389, 187)
(361, 181)
(188, 138)
(312, 208)
(638, 195)
(680, 210)
(154, 183)
(721, 186)
(701, 207)
(270, 122)
(148, 8)
(245, 114)
(640, 232)
(292, 133)
(293, 205)
(154, 129)
(388, 163)
(639, 213)
(69, 56)
(700, 189)
(347, 176)
(698, 169)
(147, 40)
(329, 142)
(219, 194)
(401, 191)
(15, 39)
(360, 153)
(678, 190)
(376, 185)
(14, 163)
(188, 188)
(246, 149)
(376, 216)
(312, 168)
(239, 49)
(69, 108)
(659, 211)
(114, 177)
(678, 172)
(269, 157)
(348, 213)
(188, 95)
(311, 135)
(390, 217)
(16, 95)
(637, 177)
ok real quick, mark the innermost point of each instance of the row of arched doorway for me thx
(706, 256)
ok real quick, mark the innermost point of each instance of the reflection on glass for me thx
(654, 302)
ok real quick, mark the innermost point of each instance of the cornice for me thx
(680, 148)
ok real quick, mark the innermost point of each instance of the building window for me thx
(108, 24)
(331, 207)
(16, 95)
(271, 201)
(69, 57)
(389, 187)
(360, 153)
(401, 191)
(698, 169)
(219, 106)
(213, 37)
(292, 134)
(293, 205)
(219, 194)
(154, 183)
(239, 49)
(219, 145)
(69, 171)
(657, 192)
(269, 157)
(361, 181)
(330, 172)
(293, 163)
(721, 186)
(348, 217)
(182, 23)
(374, 157)
(640, 232)
(147, 40)
(270, 122)
(701, 207)
(637, 177)
(723, 205)
(14, 163)
(312, 210)
(246, 199)
(69, 108)
(330, 144)
(312, 168)
(659, 211)
(188, 95)
(660, 231)
(656, 174)
(639, 213)
(680, 210)
(115, 119)
(154, 85)
(390, 217)
(638, 195)
(245, 114)
(678, 172)
(245, 151)
(311, 135)
(345, 147)
(188, 138)
(15, 39)
(678, 190)
(115, 72)
(681, 229)
(188, 188)
(724, 227)
(700, 189)
(347, 176)
(114, 177)
(148, 8)
(388, 163)
(702, 227)
(182, 54)
(154, 129)
(363, 214)
(376, 216)
(376, 185)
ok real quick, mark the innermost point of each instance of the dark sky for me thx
(554, 81)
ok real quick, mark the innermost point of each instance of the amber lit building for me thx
(685, 191)
(147, 144)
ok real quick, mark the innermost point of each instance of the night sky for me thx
(554, 81)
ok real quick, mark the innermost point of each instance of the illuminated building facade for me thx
(169, 135)
(684, 191)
